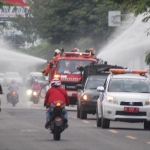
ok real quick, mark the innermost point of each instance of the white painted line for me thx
(113, 131)
(29, 130)
(74, 117)
(131, 137)
(86, 121)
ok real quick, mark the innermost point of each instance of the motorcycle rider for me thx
(47, 68)
(13, 86)
(36, 85)
(55, 93)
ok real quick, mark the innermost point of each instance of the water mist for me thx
(130, 46)
(13, 61)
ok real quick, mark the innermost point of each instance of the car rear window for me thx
(95, 81)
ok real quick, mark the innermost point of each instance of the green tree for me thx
(25, 25)
(69, 21)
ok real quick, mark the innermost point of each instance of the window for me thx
(70, 66)
(129, 85)
(95, 81)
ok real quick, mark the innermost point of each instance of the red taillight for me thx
(58, 119)
(13, 92)
(58, 104)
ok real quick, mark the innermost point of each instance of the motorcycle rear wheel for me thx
(56, 136)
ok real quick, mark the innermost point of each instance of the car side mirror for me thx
(100, 89)
(51, 65)
(79, 87)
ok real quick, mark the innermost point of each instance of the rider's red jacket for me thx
(55, 94)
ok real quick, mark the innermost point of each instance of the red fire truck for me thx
(65, 68)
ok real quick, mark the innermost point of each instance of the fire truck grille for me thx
(69, 86)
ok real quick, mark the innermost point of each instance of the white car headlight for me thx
(111, 99)
(147, 102)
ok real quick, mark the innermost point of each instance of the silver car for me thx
(124, 97)
(88, 95)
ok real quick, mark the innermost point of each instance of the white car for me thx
(9, 76)
(38, 76)
(2, 78)
(125, 97)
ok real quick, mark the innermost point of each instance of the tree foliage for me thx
(25, 25)
(68, 21)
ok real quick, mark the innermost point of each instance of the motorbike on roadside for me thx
(57, 123)
(13, 98)
(34, 95)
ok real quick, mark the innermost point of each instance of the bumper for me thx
(89, 106)
(72, 97)
(116, 112)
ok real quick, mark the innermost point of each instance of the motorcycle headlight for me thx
(29, 92)
(34, 93)
(147, 102)
(111, 99)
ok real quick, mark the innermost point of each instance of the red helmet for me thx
(55, 82)
(75, 50)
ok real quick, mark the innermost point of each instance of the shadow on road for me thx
(118, 128)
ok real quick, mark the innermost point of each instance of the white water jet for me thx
(129, 48)
(11, 60)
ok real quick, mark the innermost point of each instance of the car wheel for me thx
(105, 123)
(83, 114)
(98, 120)
(78, 111)
(147, 125)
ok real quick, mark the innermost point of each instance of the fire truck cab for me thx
(65, 68)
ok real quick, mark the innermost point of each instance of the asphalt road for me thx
(22, 128)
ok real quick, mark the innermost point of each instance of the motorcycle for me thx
(13, 98)
(34, 95)
(57, 124)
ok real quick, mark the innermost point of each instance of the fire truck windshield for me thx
(70, 66)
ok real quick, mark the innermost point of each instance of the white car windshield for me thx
(129, 85)
(70, 66)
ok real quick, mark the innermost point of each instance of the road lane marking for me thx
(131, 137)
(29, 130)
(148, 142)
(74, 117)
(85, 121)
(113, 131)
